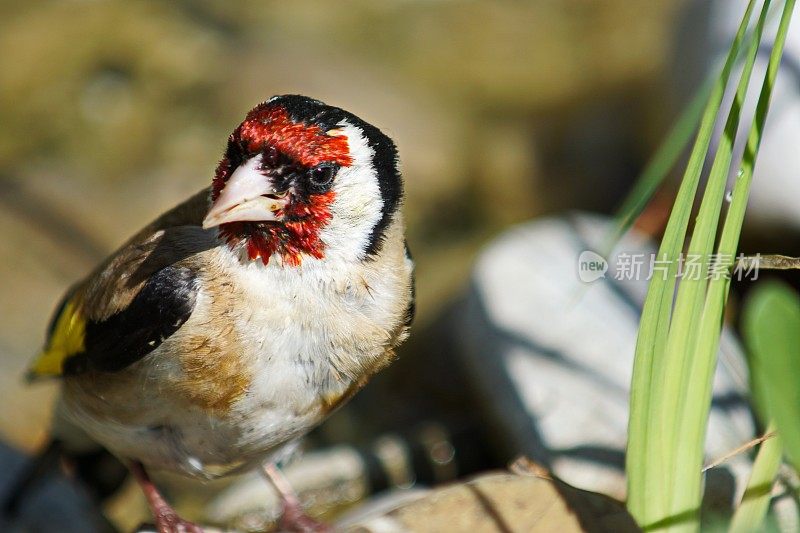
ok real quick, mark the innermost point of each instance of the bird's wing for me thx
(135, 300)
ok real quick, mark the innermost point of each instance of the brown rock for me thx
(501, 502)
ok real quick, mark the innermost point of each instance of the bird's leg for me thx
(293, 517)
(167, 520)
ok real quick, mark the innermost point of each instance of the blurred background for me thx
(112, 111)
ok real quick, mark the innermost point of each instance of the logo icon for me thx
(591, 266)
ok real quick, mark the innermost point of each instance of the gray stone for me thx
(551, 356)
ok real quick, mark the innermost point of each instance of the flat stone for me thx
(503, 502)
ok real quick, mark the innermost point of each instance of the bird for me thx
(221, 333)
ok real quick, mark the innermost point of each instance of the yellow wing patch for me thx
(66, 340)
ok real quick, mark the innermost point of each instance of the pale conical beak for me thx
(247, 196)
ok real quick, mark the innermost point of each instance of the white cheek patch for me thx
(357, 205)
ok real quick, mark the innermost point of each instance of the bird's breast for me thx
(299, 337)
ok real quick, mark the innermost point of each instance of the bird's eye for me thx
(321, 176)
(270, 156)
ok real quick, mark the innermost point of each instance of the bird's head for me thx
(303, 179)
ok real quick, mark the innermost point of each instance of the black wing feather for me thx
(161, 307)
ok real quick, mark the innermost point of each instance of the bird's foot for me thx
(168, 521)
(295, 519)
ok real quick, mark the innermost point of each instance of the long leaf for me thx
(658, 167)
(646, 500)
(692, 290)
(771, 329)
(665, 157)
(752, 510)
(694, 415)
(772, 325)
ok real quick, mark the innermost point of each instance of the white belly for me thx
(306, 339)
(194, 442)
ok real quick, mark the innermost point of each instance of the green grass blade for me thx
(657, 169)
(664, 159)
(692, 291)
(643, 461)
(752, 510)
(765, 334)
(772, 325)
(694, 415)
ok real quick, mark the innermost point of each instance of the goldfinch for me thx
(239, 320)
